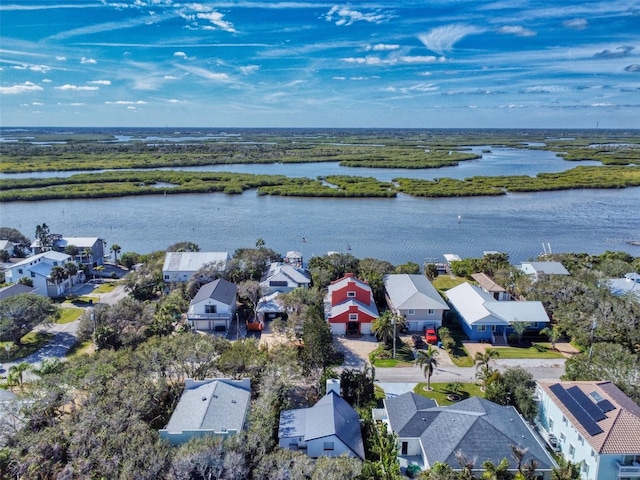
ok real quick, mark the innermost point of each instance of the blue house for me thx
(483, 318)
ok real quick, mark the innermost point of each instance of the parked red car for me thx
(430, 336)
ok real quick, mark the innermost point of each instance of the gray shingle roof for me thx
(221, 290)
(477, 428)
(331, 415)
(216, 405)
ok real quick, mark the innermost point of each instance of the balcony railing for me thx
(208, 316)
(628, 470)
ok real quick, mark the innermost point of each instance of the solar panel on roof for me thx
(576, 410)
(588, 406)
(605, 405)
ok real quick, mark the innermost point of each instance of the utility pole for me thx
(593, 328)
(393, 322)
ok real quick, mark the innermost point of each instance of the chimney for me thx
(333, 385)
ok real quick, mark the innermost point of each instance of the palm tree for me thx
(485, 374)
(115, 248)
(553, 333)
(427, 360)
(384, 328)
(566, 470)
(482, 359)
(86, 253)
(57, 275)
(71, 269)
(519, 328)
(16, 374)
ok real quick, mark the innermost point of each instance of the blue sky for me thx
(422, 64)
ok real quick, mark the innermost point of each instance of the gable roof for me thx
(413, 292)
(478, 307)
(343, 307)
(331, 415)
(549, 268)
(466, 427)
(80, 242)
(220, 290)
(193, 261)
(48, 255)
(620, 426)
(346, 280)
(286, 272)
(217, 405)
(15, 289)
(487, 283)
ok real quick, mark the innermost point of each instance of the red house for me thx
(349, 306)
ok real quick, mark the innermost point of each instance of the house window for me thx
(411, 312)
(564, 420)
(551, 424)
(55, 264)
(166, 277)
(572, 450)
(19, 270)
(278, 283)
(328, 445)
(431, 311)
(33, 275)
(581, 439)
(351, 294)
(210, 308)
(493, 328)
(593, 453)
(482, 328)
(353, 317)
(585, 468)
(563, 438)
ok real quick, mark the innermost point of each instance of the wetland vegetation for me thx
(122, 158)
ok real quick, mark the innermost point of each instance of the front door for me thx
(405, 448)
(353, 328)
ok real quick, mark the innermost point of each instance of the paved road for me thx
(540, 369)
(65, 334)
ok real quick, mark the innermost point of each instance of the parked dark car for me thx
(418, 342)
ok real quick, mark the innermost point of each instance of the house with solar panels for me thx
(595, 424)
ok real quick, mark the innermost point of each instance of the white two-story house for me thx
(595, 424)
(38, 269)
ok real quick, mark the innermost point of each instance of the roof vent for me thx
(233, 401)
(204, 399)
(215, 396)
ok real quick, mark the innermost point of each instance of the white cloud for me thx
(204, 73)
(85, 60)
(173, 100)
(46, 80)
(576, 23)
(85, 88)
(216, 19)
(126, 102)
(180, 54)
(61, 58)
(249, 69)
(345, 16)
(101, 82)
(516, 30)
(421, 59)
(170, 77)
(131, 108)
(37, 104)
(382, 47)
(442, 39)
(17, 89)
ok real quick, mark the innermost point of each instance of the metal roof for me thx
(415, 292)
(220, 290)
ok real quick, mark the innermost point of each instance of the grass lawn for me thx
(461, 358)
(404, 356)
(31, 342)
(105, 288)
(81, 348)
(536, 350)
(440, 392)
(445, 282)
(69, 314)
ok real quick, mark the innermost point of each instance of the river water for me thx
(398, 229)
